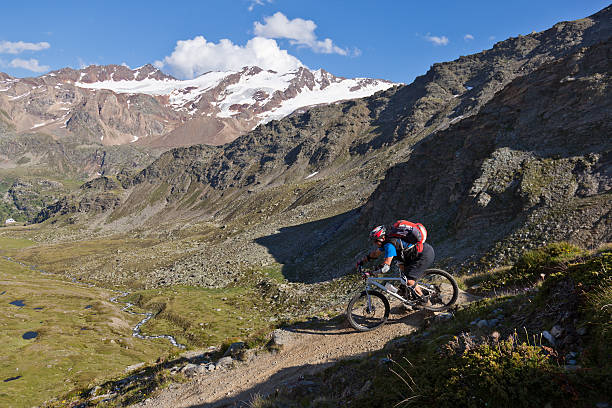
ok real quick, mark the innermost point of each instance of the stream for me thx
(115, 299)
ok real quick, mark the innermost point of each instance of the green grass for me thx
(533, 266)
(75, 346)
(592, 280)
(11, 244)
(275, 272)
(94, 254)
(197, 317)
(201, 317)
(159, 193)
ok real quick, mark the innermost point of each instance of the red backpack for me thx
(402, 228)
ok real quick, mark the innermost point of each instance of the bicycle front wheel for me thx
(368, 310)
(441, 289)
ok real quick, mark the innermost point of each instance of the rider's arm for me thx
(386, 265)
(371, 256)
(390, 252)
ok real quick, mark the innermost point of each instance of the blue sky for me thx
(395, 40)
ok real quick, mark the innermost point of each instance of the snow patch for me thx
(311, 175)
(252, 89)
(179, 92)
(458, 118)
(134, 138)
(14, 98)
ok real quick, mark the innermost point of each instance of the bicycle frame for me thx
(373, 282)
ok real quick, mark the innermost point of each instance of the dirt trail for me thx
(307, 350)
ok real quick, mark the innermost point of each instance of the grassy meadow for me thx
(81, 337)
(84, 339)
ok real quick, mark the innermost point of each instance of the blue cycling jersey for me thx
(389, 250)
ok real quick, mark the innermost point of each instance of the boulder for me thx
(224, 362)
(235, 349)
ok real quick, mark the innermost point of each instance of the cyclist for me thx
(412, 262)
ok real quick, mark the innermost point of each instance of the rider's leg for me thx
(409, 282)
(416, 269)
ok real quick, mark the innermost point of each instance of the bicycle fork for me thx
(369, 307)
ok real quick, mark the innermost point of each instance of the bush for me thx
(547, 257)
(530, 267)
(495, 375)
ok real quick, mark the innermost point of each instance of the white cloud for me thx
(257, 3)
(8, 47)
(437, 40)
(31, 65)
(491, 38)
(298, 31)
(191, 58)
(468, 37)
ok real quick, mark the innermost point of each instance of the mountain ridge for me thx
(114, 104)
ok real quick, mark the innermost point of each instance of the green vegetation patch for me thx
(9, 244)
(591, 282)
(81, 337)
(159, 193)
(58, 258)
(202, 317)
(532, 267)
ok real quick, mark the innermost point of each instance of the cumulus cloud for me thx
(298, 31)
(191, 58)
(435, 40)
(31, 65)
(468, 37)
(8, 47)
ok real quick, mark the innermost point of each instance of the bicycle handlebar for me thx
(364, 274)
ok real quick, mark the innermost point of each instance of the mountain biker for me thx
(411, 262)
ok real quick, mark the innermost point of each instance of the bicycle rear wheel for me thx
(440, 287)
(363, 316)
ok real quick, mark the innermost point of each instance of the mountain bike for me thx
(369, 309)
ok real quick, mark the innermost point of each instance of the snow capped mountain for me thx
(116, 104)
(268, 94)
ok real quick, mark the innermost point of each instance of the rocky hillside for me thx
(475, 146)
(117, 105)
(534, 165)
(36, 170)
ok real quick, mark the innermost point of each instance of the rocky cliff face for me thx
(534, 165)
(36, 170)
(476, 146)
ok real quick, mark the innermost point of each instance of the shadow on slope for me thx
(316, 251)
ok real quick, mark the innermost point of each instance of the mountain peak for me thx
(102, 73)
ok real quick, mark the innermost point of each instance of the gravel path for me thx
(306, 350)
